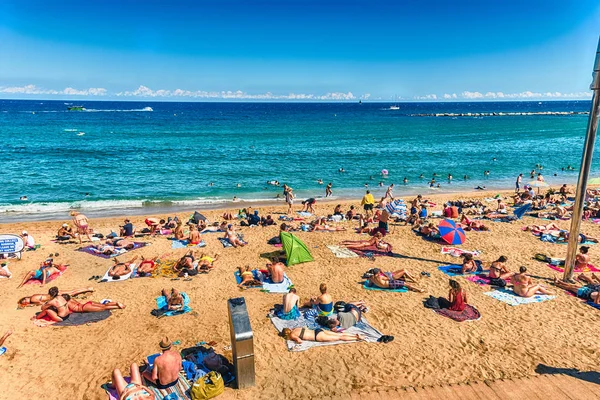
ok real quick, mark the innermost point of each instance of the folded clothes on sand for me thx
(308, 319)
(509, 297)
(456, 252)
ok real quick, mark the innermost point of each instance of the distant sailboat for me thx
(395, 106)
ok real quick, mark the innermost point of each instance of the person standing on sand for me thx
(328, 191)
(165, 371)
(81, 223)
(389, 192)
(518, 183)
(368, 201)
(289, 198)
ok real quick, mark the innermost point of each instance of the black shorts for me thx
(368, 207)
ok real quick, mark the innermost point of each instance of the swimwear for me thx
(246, 273)
(134, 391)
(383, 225)
(583, 238)
(292, 314)
(585, 293)
(317, 331)
(325, 309)
(207, 258)
(166, 386)
(301, 335)
(394, 283)
(368, 207)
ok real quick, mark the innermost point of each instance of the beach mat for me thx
(372, 251)
(449, 269)
(75, 319)
(161, 307)
(91, 250)
(182, 244)
(470, 313)
(308, 319)
(225, 242)
(589, 268)
(108, 278)
(52, 277)
(366, 286)
(164, 269)
(342, 252)
(181, 389)
(510, 298)
(267, 284)
(456, 252)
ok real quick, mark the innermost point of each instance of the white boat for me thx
(395, 106)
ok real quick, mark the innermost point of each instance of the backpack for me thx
(432, 302)
(207, 386)
(498, 282)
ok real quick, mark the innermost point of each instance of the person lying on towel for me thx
(347, 315)
(134, 389)
(588, 292)
(147, 266)
(174, 299)
(232, 237)
(39, 299)
(120, 269)
(45, 271)
(393, 280)
(91, 306)
(318, 335)
(247, 277)
(376, 241)
(186, 264)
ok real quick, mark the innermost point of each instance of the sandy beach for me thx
(428, 349)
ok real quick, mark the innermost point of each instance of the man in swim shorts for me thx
(165, 371)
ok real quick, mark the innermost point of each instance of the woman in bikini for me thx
(91, 306)
(56, 309)
(498, 269)
(469, 265)
(174, 299)
(582, 260)
(376, 241)
(206, 262)
(247, 277)
(133, 390)
(323, 303)
(317, 335)
(524, 286)
(46, 270)
(147, 266)
(39, 299)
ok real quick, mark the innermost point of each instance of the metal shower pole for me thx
(584, 172)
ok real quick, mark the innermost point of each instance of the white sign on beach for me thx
(11, 244)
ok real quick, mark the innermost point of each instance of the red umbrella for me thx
(451, 233)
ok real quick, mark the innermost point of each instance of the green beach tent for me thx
(295, 250)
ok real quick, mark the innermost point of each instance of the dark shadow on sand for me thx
(588, 376)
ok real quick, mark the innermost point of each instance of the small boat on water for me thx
(76, 108)
(395, 106)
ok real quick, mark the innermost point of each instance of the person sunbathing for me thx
(147, 266)
(582, 260)
(65, 232)
(186, 264)
(134, 390)
(39, 299)
(321, 225)
(194, 237)
(347, 315)
(276, 270)
(232, 237)
(165, 371)
(540, 229)
(563, 236)
(291, 304)
(524, 286)
(323, 303)
(91, 306)
(154, 224)
(318, 335)
(216, 227)
(588, 292)
(498, 269)
(120, 268)
(178, 232)
(174, 299)
(469, 265)
(247, 277)
(429, 230)
(376, 241)
(5, 336)
(457, 297)
(45, 271)
(56, 309)
(206, 263)
(469, 225)
(393, 280)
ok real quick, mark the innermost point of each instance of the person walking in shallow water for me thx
(328, 191)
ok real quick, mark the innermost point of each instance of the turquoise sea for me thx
(138, 157)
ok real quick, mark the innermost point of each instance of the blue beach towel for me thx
(592, 304)
(368, 287)
(267, 284)
(182, 244)
(161, 305)
(448, 269)
(509, 297)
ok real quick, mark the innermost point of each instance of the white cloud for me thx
(524, 95)
(34, 90)
(449, 96)
(426, 97)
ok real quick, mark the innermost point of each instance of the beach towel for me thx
(456, 252)
(226, 243)
(453, 269)
(308, 319)
(95, 252)
(161, 307)
(75, 319)
(164, 268)
(217, 231)
(268, 284)
(373, 251)
(470, 313)
(108, 278)
(509, 297)
(61, 268)
(342, 252)
(592, 304)
(369, 287)
(304, 214)
(481, 280)
(589, 268)
(182, 244)
(181, 389)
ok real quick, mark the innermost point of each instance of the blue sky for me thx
(307, 50)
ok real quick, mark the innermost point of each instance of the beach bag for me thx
(432, 302)
(212, 360)
(498, 282)
(208, 386)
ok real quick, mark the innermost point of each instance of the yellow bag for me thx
(208, 386)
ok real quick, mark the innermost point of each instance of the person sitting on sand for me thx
(393, 280)
(247, 277)
(56, 309)
(524, 286)
(80, 222)
(39, 299)
(232, 237)
(194, 237)
(165, 371)
(563, 236)
(178, 232)
(91, 306)
(147, 266)
(347, 315)
(44, 272)
(65, 232)
(469, 265)
(267, 221)
(186, 265)
(127, 229)
(338, 210)
(291, 304)
(582, 260)
(28, 240)
(174, 299)
(120, 269)
(318, 335)
(323, 303)
(457, 297)
(134, 390)
(350, 214)
(206, 263)
(588, 292)
(376, 241)
(154, 224)
(276, 270)
(498, 269)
